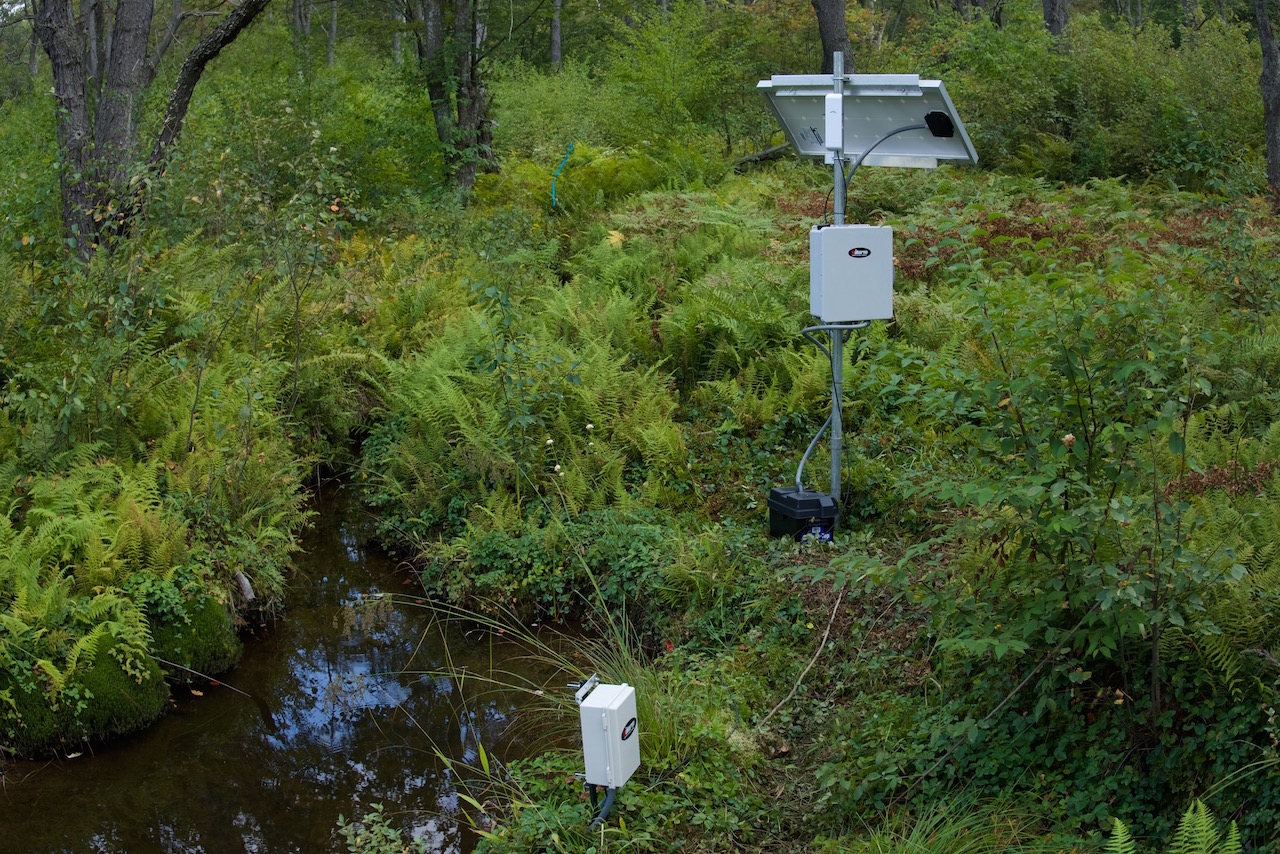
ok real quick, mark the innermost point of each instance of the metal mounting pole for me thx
(837, 336)
(837, 428)
(837, 76)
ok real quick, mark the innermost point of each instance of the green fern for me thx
(1197, 833)
(1120, 842)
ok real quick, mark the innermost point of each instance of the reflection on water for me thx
(347, 673)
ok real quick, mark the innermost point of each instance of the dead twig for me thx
(776, 152)
(1264, 655)
(812, 661)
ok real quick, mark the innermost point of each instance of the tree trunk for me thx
(459, 102)
(33, 57)
(1131, 14)
(833, 29)
(555, 36)
(397, 43)
(332, 32)
(1269, 82)
(897, 18)
(100, 74)
(1190, 15)
(300, 17)
(55, 25)
(123, 77)
(469, 30)
(431, 62)
(1055, 15)
(89, 12)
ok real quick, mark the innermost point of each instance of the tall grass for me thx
(966, 826)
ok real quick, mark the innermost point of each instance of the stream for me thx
(356, 720)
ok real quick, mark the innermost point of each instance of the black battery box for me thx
(797, 513)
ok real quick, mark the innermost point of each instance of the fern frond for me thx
(1121, 841)
(1197, 833)
(87, 646)
(57, 678)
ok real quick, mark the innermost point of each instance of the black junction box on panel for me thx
(796, 512)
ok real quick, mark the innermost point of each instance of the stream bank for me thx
(357, 712)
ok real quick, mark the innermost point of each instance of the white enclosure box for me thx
(835, 122)
(610, 735)
(851, 273)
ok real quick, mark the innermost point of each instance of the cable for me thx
(863, 155)
(609, 794)
(813, 444)
(823, 347)
(846, 492)
(845, 330)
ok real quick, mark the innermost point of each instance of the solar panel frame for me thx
(874, 105)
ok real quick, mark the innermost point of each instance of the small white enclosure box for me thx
(610, 735)
(835, 122)
(851, 273)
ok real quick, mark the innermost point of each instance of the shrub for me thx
(1189, 112)
(98, 702)
(202, 638)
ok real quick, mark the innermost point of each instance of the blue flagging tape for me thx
(557, 174)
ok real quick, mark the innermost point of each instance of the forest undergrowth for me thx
(1048, 621)
(1051, 603)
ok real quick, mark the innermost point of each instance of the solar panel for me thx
(874, 105)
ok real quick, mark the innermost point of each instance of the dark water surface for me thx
(356, 719)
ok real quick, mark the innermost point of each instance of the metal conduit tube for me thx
(839, 333)
(609, 795)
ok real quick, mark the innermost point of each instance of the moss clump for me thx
(100, 702)
(205, 642)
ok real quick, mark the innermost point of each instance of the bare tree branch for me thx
(500, 42)
(193, 66)
(162, 46)
(1264, 655)
(176, 20)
